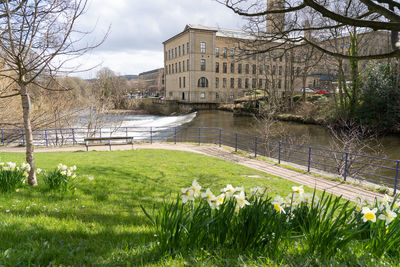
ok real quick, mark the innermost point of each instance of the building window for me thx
(216, 82)
(274, 56)
(179, 50)
(176, 52)
(273, 70)
(203, 82)
(180, 69)
(176, 67)
(216, 67)
(254, 69)
(183, 49)
(267, 69)
(232, 95)
(259, 83)
(298, 71)
(169, 69)
(187, 48)
(172, 68)
(260, 69)
(203, 65)
(180, 82)
(224, 82)
(172, 53)
(216, 95)
(240, 68)
(202, 47)
(246, 83)
(232, 52)
(279, 83)
(183, 66)
(247, 68)
(224, 67)
(187, 66)
(280, 58)
(169, 54)
(239, 83)
(217, 51)
(267, 56)
(224, 52)
(202, 95)
(253, 83)
(280, 70)
(232, 67)
(232, 83)
(184, 82)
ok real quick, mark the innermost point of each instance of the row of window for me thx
(203, 83)
(178, 51)
(247, 68)
(177, 67)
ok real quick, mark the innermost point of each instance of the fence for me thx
(377, 170)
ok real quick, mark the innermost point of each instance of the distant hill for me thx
(130, 77)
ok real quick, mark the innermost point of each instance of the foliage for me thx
(61, 179)
(255, 222)
(380, 98)
(12, 176)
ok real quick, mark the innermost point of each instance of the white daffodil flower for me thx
(383, 202)
(255, 191)
(38, 170)
(369, 215)
(63, 173)
(187, 194)
(196, 188)
(219, 200)
(298, 189)
(26, 174)
(208, 195)
(229, 190)
(241, 199)
(388, 216)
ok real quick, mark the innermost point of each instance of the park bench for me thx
(98, 141)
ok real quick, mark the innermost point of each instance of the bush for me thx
(12, 176)
(61, 179)
(234, 221)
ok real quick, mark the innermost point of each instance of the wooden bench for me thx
(128, 140)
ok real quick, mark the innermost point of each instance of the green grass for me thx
(102, 222)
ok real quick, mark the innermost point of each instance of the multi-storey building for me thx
(152, 82)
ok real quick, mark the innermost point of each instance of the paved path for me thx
(347, 191)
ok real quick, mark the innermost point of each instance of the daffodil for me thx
(278, 207)
(255, 191)
(229, 190)
(383, 202)
(369, 215)
(26, 174)
(38, 170)
(196, 188)
(208, 195)
(187, 194)
(219, 200)
(298, 189)
(388, 216)
(241, 199)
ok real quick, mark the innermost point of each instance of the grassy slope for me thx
(102, 223)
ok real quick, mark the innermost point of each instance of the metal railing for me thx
(377, 170)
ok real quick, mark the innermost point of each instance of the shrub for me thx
(12, 176)
(61, 179)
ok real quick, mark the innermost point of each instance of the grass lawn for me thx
(102, 222)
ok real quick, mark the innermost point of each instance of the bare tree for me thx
(37, 38)
(325, 15)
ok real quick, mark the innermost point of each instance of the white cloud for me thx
(138, 28)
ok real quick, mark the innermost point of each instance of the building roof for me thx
(221, 32)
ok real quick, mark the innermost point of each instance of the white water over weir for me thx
(140, 127)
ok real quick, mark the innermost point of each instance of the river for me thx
(318, 136)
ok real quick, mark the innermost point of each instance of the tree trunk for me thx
(28, 134)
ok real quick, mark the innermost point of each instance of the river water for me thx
(318, 136)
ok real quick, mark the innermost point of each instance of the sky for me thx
(138, 28)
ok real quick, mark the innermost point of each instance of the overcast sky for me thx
(138, 28)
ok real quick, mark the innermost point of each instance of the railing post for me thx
(309, 159)
(2, 137)
(175, 136)
(255, 146)
(23, 137)
(100, 135)
(396, 177)
(279, 152)
(126, 131)
(199, 136)
(73, 136)
(345, 166)
(220, 137)
(151, 135)
(236, 145)
(45, 136)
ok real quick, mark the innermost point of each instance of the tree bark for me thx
(28, 135)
